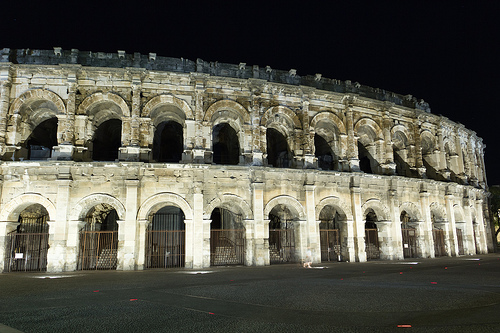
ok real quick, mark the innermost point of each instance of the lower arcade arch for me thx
(99, 239)
(372, 246)
(227, 238)
(333, 233)
(166, 238)
(283, 233)
(438, 235)
(27, 246)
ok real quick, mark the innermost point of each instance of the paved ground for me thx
(431, 295)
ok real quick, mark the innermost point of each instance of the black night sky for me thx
(445, 52)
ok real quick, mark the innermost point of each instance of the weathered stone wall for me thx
(413, 161)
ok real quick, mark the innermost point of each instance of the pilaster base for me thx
(63, 152)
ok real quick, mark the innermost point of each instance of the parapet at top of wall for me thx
(121, 59)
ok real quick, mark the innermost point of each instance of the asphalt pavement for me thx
(419, 295)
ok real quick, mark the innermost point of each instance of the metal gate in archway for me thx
(26, 248)
(227, 247)
(409, 242)
(439, 246)
(371, 244)
(227, 238)
(282, 243)
(166, 239)
(330, 245)
(99, 240)
(460, 242)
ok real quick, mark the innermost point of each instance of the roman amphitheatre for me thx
(129, 161)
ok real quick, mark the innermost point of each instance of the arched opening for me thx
(99, 239)
(227, 238)
(27, 246)
(400, 154)
(278, 153)
(372, 247)
(438, 236)
(165, 238)
(330, 234)
(364, 159)
(168, 142)
(324, 154)
(107, 140)
(226, 148)
(409, 236)
(282, 235)
(42, 140)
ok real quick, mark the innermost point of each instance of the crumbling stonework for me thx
(138, 133)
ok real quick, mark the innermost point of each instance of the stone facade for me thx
(134, 133)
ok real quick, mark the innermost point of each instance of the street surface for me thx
(421, 295)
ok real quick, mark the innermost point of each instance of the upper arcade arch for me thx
(11, 211)
(41, 99)
(158, 201)
(81, 209)
(327, 116)
(367, 131)
(166, 100)
(281, 115)
(227, 109)
(113, 105)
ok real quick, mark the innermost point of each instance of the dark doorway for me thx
(168, 142)
(226, 148)
(364, 159)
(107, 141)
(324, 153)
(278, 153)
(409, 236)
(371, 236)
(165, 239)
(329, 234)
(42, 140)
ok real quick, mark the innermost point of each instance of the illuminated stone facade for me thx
(84, 132)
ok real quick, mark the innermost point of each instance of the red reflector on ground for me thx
(404, 325)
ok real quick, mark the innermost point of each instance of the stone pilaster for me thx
(359, 220)
(140, 249)
(352, 147)
(128, 228)
(59, 254)
(451, 241)
(4, 103)
(311, 226)
(424, 229)
(261, 227)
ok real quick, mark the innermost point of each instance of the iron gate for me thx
(330, 245)
(409, 242)
(371, 244)
(282, 245)
(227, 247)
(460, 241)
(439, 247)
(165, 248)
(26, 252)
(98, 250)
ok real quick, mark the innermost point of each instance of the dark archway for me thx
(99, 239)
(227, 238)
(371, 236)
(168, 142)
(226, 147)
(42, 140)
(364, 159)
(278, 153)
(165, 239)
(324, 153)
(330, 235)
(409, 236)
(26, 247)
(107, 140)
(282, 235)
